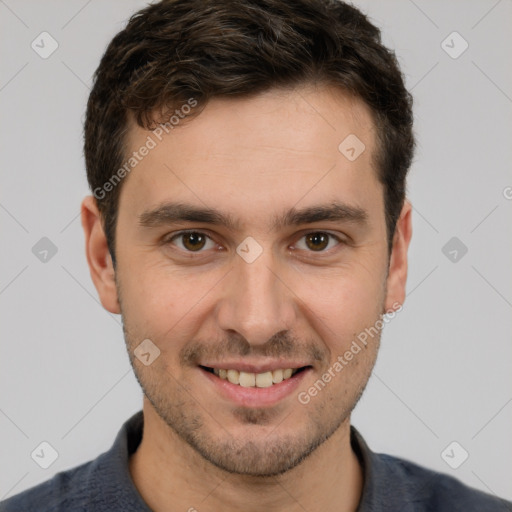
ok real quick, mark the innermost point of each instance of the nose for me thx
(256, 301)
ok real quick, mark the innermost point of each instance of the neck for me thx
(172, 476)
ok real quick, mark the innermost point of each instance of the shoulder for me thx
(392, 483)
(430, 490)
(69, 490)
(101, 484)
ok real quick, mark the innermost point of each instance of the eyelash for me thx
(169, 240)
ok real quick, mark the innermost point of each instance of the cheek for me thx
(343, 305)
(164, 304)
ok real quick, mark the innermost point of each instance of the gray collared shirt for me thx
(390, 484)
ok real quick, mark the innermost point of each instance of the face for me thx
(250, 247)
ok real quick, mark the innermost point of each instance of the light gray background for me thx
(444, 371)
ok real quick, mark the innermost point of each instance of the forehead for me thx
(283, 145)
(300, 112)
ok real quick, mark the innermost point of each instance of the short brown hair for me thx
(175, 50)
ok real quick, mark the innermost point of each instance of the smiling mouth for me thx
(255, 380)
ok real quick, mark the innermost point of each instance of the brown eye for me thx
(317, 241)
(192, 241)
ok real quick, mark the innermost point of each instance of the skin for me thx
(253, 158)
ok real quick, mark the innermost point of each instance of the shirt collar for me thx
(381, 489)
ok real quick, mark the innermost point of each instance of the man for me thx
(248, 162)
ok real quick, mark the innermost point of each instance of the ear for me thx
(98, 256)
(397, 272)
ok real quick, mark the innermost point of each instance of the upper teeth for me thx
(259, 380)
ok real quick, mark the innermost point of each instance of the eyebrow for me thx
(172, 212)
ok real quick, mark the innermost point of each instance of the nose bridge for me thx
(255, 302)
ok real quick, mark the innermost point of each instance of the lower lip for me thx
(253, 396)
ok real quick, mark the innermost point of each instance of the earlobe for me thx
(98, 255)
(397, 273)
